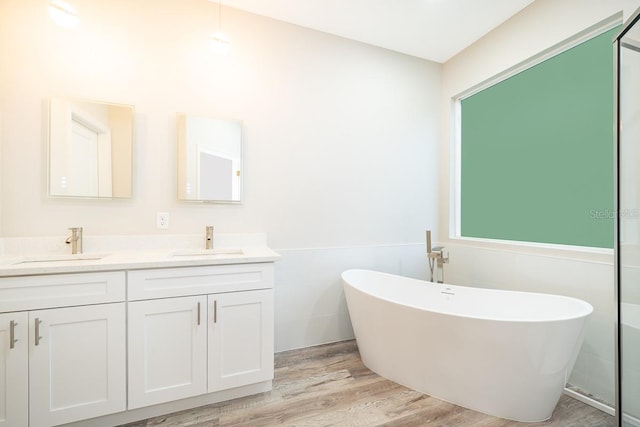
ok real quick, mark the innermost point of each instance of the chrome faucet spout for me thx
(75, 240)
(208, 242)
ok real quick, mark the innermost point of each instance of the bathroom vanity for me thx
(109, 339)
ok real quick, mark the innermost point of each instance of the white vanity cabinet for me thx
(91, 343)
(77, 366)
(14, 370)
(240, 338)
(67, 361)
(167, 350)
(198, 330)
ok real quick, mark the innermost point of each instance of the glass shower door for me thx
(628, 224)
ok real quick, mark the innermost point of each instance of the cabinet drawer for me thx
(61, 290)
(171, 282)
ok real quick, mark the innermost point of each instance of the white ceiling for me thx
(430, 29)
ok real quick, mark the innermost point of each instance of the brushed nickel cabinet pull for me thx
(215, 311)
(198, 313)
(12, 334)
(38, 337)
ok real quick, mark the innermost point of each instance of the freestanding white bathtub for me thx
(504, 353)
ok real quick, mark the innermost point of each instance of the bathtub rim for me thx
(588, 308)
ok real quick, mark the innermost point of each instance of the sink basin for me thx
(60, 258)
(208, 252)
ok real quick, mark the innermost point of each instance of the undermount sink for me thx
(207, 252)
(60, 258)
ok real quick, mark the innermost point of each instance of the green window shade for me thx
(537, 152)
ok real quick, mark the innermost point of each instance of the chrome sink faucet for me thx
(75, 240)
(208, 242)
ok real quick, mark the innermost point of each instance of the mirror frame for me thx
(57, 132)
(182, 159)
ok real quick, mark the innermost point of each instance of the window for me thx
(535, 153)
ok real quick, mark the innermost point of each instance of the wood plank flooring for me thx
(329, 386)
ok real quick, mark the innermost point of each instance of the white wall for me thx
(341, 139)
(341, 136)
(588, 276)
(1, 177)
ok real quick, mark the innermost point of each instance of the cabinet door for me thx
(167, 350)
(240, 338)
(14, 370)
(77, 366)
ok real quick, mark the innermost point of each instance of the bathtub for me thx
(504, 353)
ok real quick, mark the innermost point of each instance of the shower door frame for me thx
(616, 247)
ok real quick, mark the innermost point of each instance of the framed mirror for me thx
(209, 159)
(90, 149)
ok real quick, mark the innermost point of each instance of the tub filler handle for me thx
(437, 257)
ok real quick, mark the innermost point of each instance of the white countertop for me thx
(11, 266)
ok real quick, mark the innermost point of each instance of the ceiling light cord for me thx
(63, 14)
(220, 43)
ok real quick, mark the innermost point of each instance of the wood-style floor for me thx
(329, 386)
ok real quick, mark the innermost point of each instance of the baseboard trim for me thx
(591, 402)
(631, 420)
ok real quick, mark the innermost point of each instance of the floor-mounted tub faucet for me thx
(75, 240)
(437, 258)
(208, 239)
